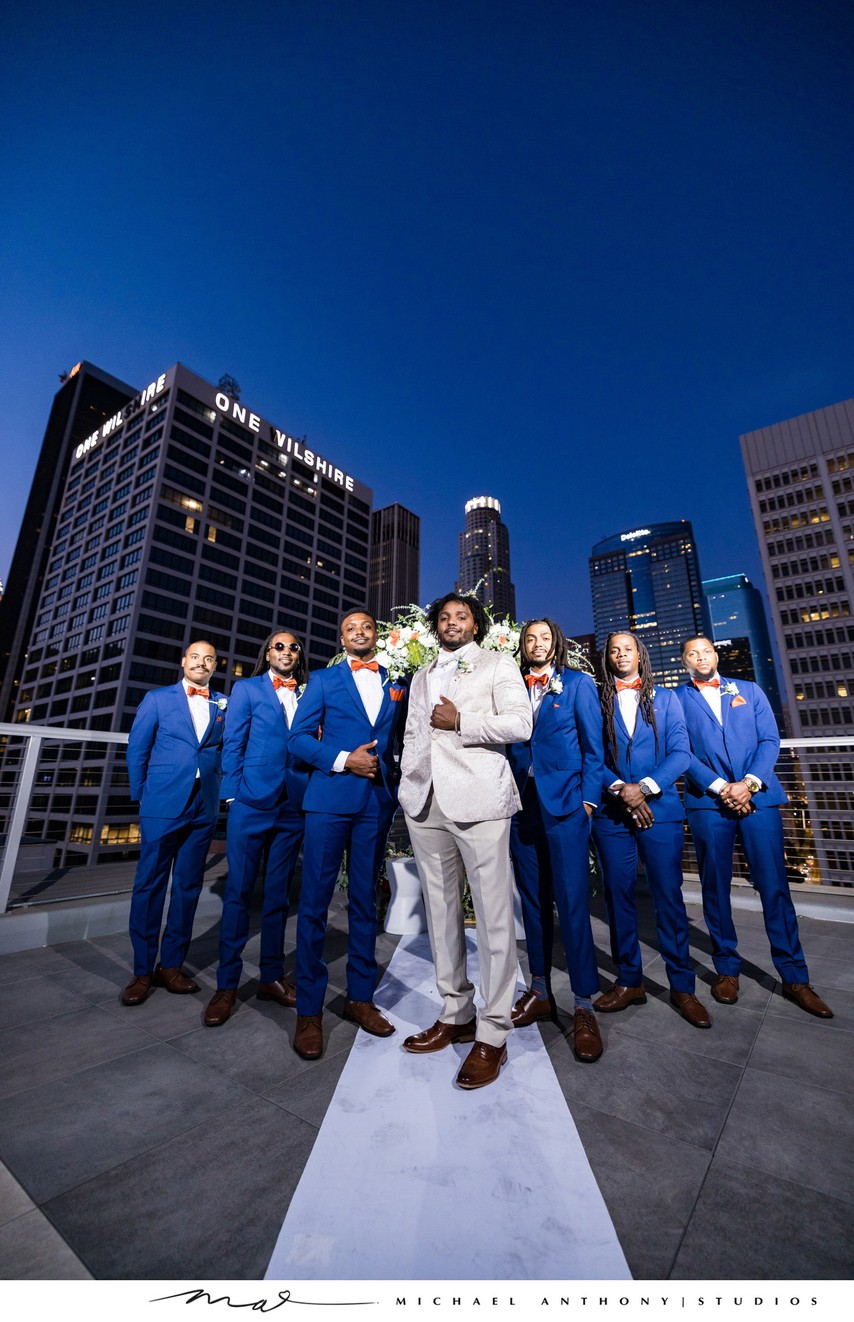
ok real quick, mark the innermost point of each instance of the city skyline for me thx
(613, 243)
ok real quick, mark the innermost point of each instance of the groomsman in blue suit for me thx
(646, 750)
(559, 773)
(347, 725)
(731, 790)
(173, 757)
(264, 787)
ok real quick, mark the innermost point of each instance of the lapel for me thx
(620, 724)
(271, 696)
(350, 686)
(697, 697)
(183, 703)
(213, 712)
(472, 658)
(726, 702)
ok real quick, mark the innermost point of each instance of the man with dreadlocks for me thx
(646, 750)
(559, 773)
(264, 787)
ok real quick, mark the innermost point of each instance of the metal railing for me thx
(72, 831)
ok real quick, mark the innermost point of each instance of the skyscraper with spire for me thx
(485, 557)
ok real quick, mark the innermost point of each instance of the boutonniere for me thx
(555, 685)
(397, 695)
(299, 691)
(730, 689)
(464, 666)
(221, 703)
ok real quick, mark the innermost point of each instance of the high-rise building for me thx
(87, 398)
(394, 575)
(801, 481)
(183, 515)
(485, 557)
(736, 610)
(648, 580)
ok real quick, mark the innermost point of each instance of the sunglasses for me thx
(284, 647)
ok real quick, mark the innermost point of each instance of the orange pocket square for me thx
(739, 702)
(396, 695)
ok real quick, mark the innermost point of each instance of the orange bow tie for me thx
(707, 683)
(197, 693)
(533, 680)
(283, 683)
(635, 684)
(365, 665)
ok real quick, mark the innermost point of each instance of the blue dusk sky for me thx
(558, 252)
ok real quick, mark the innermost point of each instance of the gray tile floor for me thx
(136, 1144)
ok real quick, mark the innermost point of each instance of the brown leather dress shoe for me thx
(586, 1038)
(308, 1039)
(174, 980)
(439, 1036)
(620, 997)
(530, 1007)
(282, 991)
(220, 1006)
(481, 1066)
(138, 990)
(367, 1016)
(691, 1009)
(804, 996)
(725, 988)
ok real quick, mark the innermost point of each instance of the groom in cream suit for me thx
(458, 795)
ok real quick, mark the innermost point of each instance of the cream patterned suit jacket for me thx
(469, 771)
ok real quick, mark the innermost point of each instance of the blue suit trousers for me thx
(761, 834)
(179, 845)
(550, 859)
(660, 847)
(327, 836)
(250, 831)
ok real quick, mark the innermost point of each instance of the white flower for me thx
(730, 689)
(465, 666)
(222, 703)
(555, 684)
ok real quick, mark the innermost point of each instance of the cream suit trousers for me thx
(442, 849)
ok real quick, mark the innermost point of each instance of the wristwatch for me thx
(645, 789)
(752, 783)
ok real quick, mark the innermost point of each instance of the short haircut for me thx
(357, 610)
(301, 668)
(206, 642)
(693, 638)
(475, 605)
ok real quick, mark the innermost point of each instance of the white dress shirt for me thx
(713, 698)
(537, 692)
(287, 698)
(370, 686)
(445, 669)
(629, 701)
(200, 712)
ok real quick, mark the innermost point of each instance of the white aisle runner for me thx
(411, 1178)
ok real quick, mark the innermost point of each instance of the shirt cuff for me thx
(648, 780)
(339, 763)
(616, 786)
(717, 785)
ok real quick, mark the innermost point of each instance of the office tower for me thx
(801, 482)
(87, 398)
(485, 557)
(736, 610)
(395, 560)
(183, 516)
(648, 580)
(735, 658)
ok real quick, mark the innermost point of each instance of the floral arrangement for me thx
(407, 644)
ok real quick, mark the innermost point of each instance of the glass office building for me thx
(183, 515)
(647, 580)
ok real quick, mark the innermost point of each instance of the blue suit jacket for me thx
(747, 742)
(256, 763)
(565, 748)
(164, 754)
(637, 758)
(331, 702)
